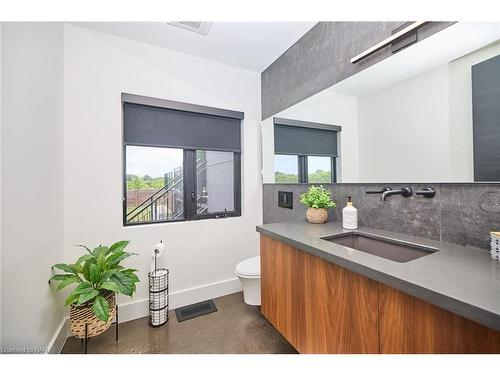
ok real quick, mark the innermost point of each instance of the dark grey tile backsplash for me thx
(459, 213)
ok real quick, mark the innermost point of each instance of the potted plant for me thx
(318, 200)
(98, 276)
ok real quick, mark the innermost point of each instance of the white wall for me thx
(327, 107)
(267, 144)
(97, 69)
(404, 130)
(1, 183)
(421, 129)
(31, 181)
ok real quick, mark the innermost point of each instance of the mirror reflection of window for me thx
(286, 168)
(319, 169)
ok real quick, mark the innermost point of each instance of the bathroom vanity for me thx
(324, 296)
(413, 139)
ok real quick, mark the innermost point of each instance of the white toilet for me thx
(249, 273)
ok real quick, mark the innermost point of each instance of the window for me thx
(305, 152)
(319, 169)
(154, 184)
(215, 182)
(181, 161)
(304, 169)
(286, 168)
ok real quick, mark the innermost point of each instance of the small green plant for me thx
(97, 273)
(317, 197)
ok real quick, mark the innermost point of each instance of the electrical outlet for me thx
(285, 199)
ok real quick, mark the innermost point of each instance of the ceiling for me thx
(248, 45)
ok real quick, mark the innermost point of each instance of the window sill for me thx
(174, 222)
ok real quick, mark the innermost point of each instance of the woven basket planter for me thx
(79, 315)
(317, 215)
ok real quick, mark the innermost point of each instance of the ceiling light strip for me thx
(403, 32)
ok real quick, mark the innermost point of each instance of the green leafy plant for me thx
(317, 197)
(97, 273)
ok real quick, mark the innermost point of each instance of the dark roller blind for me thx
(486, 119)
(154, 126)
(297, 140)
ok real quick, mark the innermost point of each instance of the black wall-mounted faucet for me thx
(384, 189)
(427, 192)
(404, 191)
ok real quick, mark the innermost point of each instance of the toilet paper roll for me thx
(157, 253)
(159, 249)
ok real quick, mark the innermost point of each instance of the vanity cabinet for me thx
(320, 307)
(410, 325)
(280, 287)
(339, 309)
(317, 306)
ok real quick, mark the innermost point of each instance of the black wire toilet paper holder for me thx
(158, 295)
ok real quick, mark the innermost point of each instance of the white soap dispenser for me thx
(349, 215)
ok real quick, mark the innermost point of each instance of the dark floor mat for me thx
(195, 310)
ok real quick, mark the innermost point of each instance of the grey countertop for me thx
(463, 280)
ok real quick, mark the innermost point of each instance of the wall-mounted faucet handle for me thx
(427, 192)
(404, 191)
(383, 190)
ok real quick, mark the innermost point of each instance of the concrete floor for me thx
(235, 328)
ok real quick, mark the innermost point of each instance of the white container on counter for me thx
(495, 245)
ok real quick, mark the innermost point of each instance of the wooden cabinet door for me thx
(279, 287)
(410, 325)
(340, 309)
(323, 308)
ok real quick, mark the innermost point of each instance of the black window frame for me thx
(189, 164)
(303, 173)
(190, 180)
(302, 163)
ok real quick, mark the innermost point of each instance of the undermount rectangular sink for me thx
(388, 248)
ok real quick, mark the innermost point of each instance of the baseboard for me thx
(56, 344)
(139, 309)
(203, 292)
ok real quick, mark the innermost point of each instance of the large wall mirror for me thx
(429, 113)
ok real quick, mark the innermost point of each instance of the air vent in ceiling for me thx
(198, 27)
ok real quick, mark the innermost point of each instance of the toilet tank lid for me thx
(249, 267)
